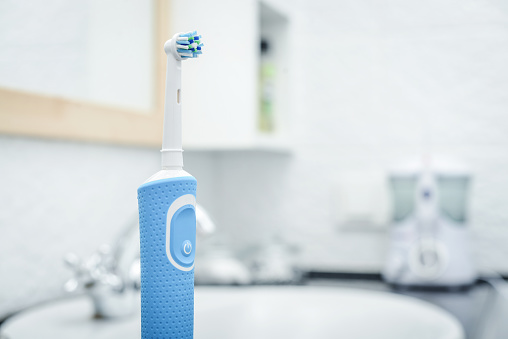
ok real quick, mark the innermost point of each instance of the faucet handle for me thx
(98, 277)
(72, 261)
(99, 269)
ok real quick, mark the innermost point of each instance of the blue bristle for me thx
(188, 35)
(183, 42)
(199, 48)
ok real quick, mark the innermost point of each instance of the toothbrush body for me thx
(167, 218)
(167, 222)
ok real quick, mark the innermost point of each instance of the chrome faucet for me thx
(112, 290)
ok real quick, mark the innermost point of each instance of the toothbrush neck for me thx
(172, 133)
(172, 158)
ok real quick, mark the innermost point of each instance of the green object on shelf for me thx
(267, 93)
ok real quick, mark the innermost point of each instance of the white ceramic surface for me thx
(260, 312)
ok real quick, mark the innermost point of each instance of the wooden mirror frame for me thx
(37, 115)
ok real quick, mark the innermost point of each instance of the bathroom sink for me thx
(259, 312)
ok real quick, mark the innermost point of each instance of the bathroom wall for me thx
(378, 83)
(372, 84)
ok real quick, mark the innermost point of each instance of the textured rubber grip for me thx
(167, 292)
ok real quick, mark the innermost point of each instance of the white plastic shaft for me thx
(171, 151)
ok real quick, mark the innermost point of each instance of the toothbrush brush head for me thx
(189, 45)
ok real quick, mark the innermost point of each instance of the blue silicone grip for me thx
(167, 273)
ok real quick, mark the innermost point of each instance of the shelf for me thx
(261, 145)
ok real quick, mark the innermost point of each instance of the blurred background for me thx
(333, 143)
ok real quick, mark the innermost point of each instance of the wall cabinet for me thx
(222, 90)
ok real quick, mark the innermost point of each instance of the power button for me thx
(186, 248)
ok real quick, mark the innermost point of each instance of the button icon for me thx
(186, 248)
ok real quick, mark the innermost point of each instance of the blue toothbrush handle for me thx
(167, 225)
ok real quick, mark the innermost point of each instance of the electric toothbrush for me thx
(167, 216)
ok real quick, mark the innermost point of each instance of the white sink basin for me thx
(303, 312)
(260, 312)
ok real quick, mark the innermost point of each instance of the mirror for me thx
(86, 70)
